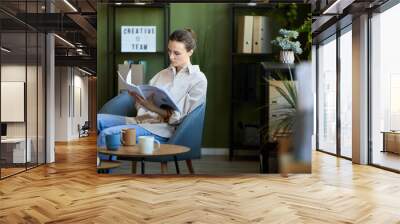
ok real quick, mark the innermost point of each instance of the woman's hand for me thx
(148, 104)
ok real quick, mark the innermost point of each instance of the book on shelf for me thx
(261, 35)
(160, 95)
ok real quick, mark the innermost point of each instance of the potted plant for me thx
(280, 128)
(289, 47)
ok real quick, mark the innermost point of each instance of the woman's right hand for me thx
(150, 106)
(146, 103)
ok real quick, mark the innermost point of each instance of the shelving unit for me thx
(250, 90)
(248, 82)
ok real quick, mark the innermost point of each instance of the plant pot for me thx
(285, 144)
(287, 57)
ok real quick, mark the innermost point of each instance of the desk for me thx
(391, 141)
(13, 150)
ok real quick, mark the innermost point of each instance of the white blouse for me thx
(187, 88)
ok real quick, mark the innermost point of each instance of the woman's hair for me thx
(186, 36)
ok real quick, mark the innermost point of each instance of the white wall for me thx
(70, 83)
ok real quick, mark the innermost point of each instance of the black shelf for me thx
(269, 5)
(253, 54)
(149, 53)
(273, 65)
(148, 5)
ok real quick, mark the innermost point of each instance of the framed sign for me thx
(138, 38)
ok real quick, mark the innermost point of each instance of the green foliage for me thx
(295, 17)
(286, 41)
(306, 29)
(286, 15)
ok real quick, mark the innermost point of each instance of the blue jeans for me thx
(108, 120)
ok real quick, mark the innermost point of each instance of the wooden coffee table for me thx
(133, 153)
(107, 165)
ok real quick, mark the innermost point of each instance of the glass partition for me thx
(346, 93)
(327, 96)
(31, 98)
(385, 89)
(13, 94)
(22, 64)
(41, 109)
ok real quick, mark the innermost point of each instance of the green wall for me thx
(213, 57)
(105, 82)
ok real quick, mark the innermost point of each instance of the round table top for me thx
(133, 151)
(105, 165)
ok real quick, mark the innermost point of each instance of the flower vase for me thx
(287, 57)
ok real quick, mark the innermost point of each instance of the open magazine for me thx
(161, 96)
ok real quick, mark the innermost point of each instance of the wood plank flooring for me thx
(208, 164)
(70, 191)
(10, 171)
(387, 159)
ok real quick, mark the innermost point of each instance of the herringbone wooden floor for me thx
(70, 191)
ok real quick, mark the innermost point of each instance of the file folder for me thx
(261, 35)
(245, 34)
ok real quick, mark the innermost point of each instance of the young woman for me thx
(186, 84)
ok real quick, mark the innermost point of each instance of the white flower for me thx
(285, 41)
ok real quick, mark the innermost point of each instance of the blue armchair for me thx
(122, 105)
(189, 132)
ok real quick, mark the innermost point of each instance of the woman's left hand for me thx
(148, 104)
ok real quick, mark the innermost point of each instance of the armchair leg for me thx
(190, 166)
(164, 167)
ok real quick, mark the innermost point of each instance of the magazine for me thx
(161, 96)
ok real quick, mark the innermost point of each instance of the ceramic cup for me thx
(146, 144)
(113, 141)
(128, 136)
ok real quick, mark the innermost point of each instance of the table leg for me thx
(142, 165)
(164, 167)
(176, 165)
(133, 167)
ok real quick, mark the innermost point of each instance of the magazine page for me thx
(127, 84)
(161, 96)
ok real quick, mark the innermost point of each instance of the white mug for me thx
(146, 144)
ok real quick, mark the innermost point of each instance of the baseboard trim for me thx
(215, 151)
(225, 152)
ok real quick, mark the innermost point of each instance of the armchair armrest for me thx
(122, 105)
